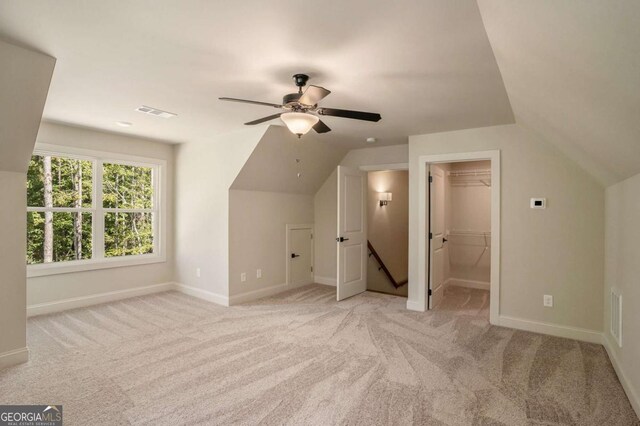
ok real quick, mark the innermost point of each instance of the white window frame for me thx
(98, 260)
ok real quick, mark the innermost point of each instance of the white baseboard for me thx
(324, 280)
(202, 294)
(575, 333)
(481, 285)
(95, 299)
(14, 357)
(632, 393)
(415, 306)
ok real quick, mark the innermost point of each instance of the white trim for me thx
(250, 296)
(287, 266)
(41, 270)
(14, 357)
(385, 167)
(158, 211)
(632, 394)
(423, 161)
(459, 282)
(199, 293)
(91, 154)
(95, 299)
(576, 333)
(324, 280)
(415, 306)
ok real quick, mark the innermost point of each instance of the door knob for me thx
(341, 239)
(293, 255)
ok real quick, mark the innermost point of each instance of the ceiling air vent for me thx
(155, 111)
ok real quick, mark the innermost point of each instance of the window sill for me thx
(42, 270)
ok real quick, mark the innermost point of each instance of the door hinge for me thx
(312, 269)
(312, 236)
(430, 236)
(430, 292)
(430, 179)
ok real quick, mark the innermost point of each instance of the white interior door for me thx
(436, 235)
(299, 256)
(352, 232)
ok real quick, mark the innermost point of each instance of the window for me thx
(91, 211)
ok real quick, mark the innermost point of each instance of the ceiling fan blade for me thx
(263, 119)
(356, 115)
(251, 102)
(313, 95)
(320, 127)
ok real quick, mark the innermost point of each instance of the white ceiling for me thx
(572, 71)
(426, 66)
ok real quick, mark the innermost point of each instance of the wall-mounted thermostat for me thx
(538, 203)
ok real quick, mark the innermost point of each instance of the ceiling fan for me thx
(301, 109)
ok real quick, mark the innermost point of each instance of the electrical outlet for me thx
(243, 277)
(548, 300)
(258, 273)
(198, 272)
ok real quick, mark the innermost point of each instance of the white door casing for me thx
(418, 278)
(299, 255)
(436, 235)
(352, 232)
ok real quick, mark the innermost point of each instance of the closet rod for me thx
(473, 172)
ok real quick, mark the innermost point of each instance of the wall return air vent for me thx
(155, 112)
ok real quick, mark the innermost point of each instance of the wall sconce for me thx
(385, 197)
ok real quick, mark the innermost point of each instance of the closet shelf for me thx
(470, 233)
(476, 177)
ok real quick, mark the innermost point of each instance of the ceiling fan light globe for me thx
(299, 123)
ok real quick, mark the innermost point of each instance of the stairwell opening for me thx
(388, 231)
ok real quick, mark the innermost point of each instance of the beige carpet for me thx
(302, 358)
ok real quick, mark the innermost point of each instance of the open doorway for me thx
(432, 273)
(388, 231)
(460, 236)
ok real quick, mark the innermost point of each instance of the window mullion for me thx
(98, 220)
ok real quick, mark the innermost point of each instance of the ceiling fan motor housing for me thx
(301, 79)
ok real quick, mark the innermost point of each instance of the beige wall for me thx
(622, 269)
(557, 251)
(388, 228)
(13, 228)
(24, 82)
(53, 288)
(257, 229)
(204, 174)
(376, 155)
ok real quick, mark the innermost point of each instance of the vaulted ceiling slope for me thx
(426, 66)
(273, 165)
(572, 72)
(24, 81)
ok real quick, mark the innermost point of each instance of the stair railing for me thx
(383, 267)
